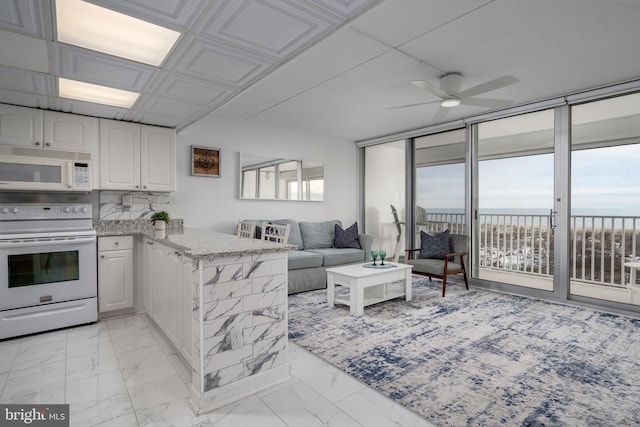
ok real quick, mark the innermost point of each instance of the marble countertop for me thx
(202, 244)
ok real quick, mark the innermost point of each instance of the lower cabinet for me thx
(187, 308)
(167, 279)
(115, 273)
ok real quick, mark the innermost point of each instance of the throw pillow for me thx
(346, 238)
(434, 247)
(318, 235)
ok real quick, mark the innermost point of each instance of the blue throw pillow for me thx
(434, 247)
(346, 238)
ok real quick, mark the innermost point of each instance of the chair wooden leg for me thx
(464, 273)
(444, 285)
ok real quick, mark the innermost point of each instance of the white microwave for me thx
(27, 173)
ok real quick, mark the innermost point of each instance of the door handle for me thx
(49, 242)
(552, 216)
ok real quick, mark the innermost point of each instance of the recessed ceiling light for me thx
(450, 102)
(93, 27)
(88, 92)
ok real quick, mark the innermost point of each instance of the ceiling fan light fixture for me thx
(450, 102)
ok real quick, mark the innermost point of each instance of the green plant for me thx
(160, 216)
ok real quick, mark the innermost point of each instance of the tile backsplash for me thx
(143, 205)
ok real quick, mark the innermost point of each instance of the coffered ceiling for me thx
(224, 47)
(329, 67)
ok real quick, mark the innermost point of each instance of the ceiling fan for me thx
(451, 96)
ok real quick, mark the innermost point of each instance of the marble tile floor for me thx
(123, 372)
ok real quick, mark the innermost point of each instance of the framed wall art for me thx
(205, 161)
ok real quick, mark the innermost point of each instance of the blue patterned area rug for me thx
(481, 358)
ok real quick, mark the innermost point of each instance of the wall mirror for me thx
(278, 178)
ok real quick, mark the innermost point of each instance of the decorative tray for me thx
(370, 265)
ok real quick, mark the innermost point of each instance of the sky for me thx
(603, 179)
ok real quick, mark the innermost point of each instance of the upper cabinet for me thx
(68, 132)
(119, 155)
(137, 157)
(33, 128)
(157, 158)
(20, 126)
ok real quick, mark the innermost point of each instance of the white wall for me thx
(213, 203)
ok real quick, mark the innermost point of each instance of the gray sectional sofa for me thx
(316, 251)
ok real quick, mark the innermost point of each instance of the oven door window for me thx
(38, 269)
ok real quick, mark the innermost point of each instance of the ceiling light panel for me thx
(88, 92)
(93, 27)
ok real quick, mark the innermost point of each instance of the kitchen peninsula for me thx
(222, 301)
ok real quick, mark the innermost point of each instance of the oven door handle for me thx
(51, 242)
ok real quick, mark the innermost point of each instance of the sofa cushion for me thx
(303, 259)
(295, 238)
(346, 238)
(307, 279)
(432, 266)
(434, 247)
(333, 256)
(318, 235)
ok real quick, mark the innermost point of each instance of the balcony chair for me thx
(424, 224)
(246, 229)
(440, 256)
(400, 226)
(275, 232)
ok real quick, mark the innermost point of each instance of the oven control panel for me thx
(29, 211)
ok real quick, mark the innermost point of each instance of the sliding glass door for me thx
(513, 200)
(605, 199)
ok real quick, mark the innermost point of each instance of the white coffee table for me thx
(367, 285)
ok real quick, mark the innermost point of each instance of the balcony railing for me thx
(520, 243)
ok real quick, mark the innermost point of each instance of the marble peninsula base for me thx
(233, 294)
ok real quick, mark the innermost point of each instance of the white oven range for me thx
(48, 275)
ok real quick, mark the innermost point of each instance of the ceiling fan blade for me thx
(440, 114)
(412, 105)
(487, 103)
(430, 88)
(488, 86)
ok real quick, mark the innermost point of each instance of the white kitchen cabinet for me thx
(119, 155)
(167, 307)
(173, 298)
(34, 128)
(20, 126)
(137, 157)
(187, 309)
(159, 284)
(167, 276)
(147, 275)
(68, 132)
(115, 273)
(157, 158)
